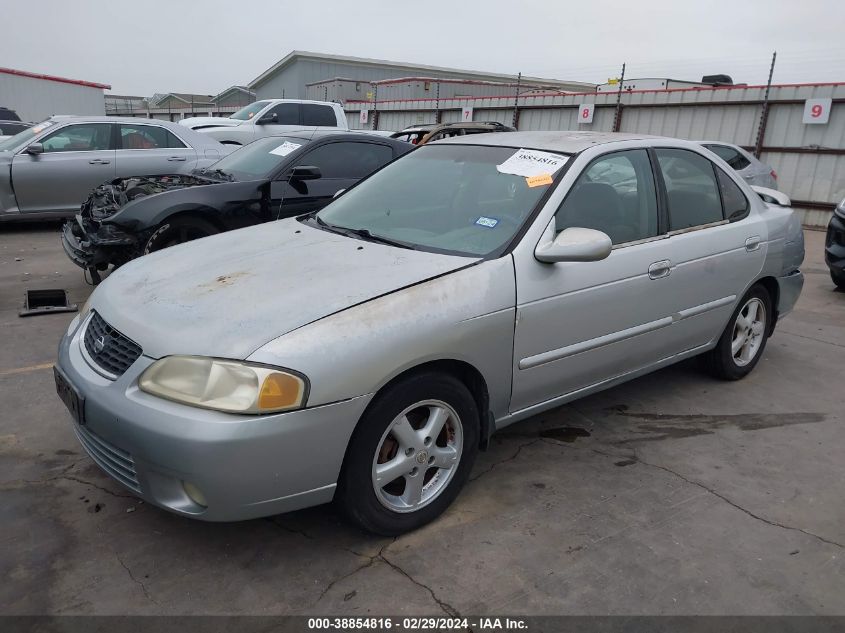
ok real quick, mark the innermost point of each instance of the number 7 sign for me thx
(585, 112)
(817, 110)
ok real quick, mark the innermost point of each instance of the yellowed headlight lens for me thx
(223, 385)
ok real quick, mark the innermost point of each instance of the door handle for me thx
(660, 269)
(177, 159)
(752, 243)
(99, 161)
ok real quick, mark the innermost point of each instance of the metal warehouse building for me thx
(290, 76)
(35, 97)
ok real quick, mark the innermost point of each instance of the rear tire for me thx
(410, 455)
(838, 279)
(178, 231)
(742, 343)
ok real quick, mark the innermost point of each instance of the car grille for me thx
(108, 348)
(116, 462)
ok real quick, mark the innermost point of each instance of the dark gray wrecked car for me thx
(271, 178)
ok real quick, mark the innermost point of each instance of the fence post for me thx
(375, 106)
(617, 118)
(516, 102)
(764, 112)
(437, 105)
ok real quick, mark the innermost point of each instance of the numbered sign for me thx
(363, 117)
(817, 110)
(585, 112)
(466, 113)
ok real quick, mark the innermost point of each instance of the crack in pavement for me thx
(290, 530)
(135, 580)
(447, 608)
(507, 459)
(372, 561)
(736, 505)
(100, 488)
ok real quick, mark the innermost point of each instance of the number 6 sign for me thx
(817, 110)
(585, 112)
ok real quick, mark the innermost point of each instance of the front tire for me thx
(742, 343)
(178, 231)
(410, 455)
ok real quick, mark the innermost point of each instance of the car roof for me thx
(568, 142)
(311, 135)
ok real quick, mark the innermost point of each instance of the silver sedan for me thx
(365, 353)
(49, 169)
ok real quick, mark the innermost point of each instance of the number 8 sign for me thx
(585, 112)
(817, 110)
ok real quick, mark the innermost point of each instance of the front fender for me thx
(467, 315)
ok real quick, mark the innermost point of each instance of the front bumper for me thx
(97, 247)
(245, 466)
(834, 245)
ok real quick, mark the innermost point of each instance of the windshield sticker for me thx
(530, 162)
(285, 148)
(539, 181)
(488, 222)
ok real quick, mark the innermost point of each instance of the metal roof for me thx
(566, 142)
(365, 61)
(64, 80)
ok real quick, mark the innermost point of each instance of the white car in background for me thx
(270, 117)
(748, 166)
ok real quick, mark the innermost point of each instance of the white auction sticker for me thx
(285, 148)
(531, 162)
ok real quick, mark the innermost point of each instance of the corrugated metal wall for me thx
(36, 99)
(809, 159)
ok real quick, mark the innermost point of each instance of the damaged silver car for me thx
(365, 353)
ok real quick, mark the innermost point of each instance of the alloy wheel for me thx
(417, 456)
(749, 332)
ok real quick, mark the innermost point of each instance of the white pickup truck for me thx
(270, 117)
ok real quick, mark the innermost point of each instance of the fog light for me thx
(194, 494)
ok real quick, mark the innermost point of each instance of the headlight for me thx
(86, 308)
(224, 385)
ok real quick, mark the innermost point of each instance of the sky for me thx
(158, 46)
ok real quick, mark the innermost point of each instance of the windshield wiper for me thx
(372, 237)
(363, 233)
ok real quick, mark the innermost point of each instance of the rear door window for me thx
(733, 200)
(691, 188)
(318, 115)
(147, 137)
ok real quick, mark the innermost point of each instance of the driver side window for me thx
(615, 194)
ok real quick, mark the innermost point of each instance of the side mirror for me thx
(268, 119)
(575, 245)
(35, 149)
(337, 193)
(305, 172)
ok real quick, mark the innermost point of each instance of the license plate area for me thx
(70, 396)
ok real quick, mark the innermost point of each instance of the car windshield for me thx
(259, 159)
(248, 112)
(22, 137)
(443, 198)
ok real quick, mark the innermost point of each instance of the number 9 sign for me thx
(817, 111)
(585, 112)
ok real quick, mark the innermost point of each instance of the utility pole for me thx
(617, 118)
(764, 112)
(516, 101)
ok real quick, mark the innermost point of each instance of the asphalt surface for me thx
(672, 494)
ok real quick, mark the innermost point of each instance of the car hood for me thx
(199, 122)
(229, 294)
